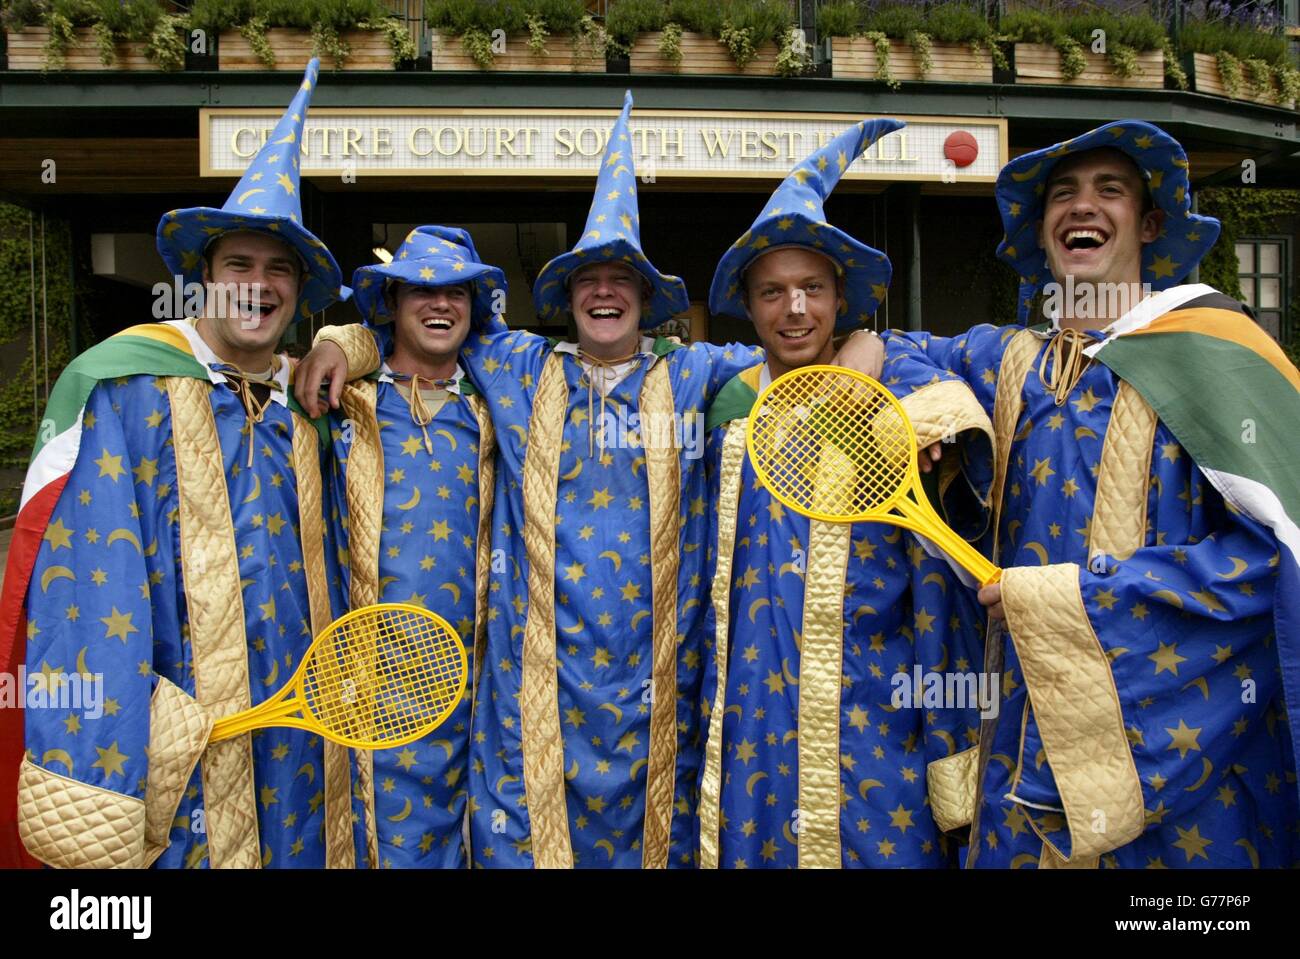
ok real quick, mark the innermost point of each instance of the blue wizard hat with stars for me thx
(613, 232)
(794, 216)
(434, 256)
(267, 200)
(1185, 238)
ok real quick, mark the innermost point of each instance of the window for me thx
(1264, 268)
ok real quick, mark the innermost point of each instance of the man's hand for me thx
(863, 352)
(326, 363)
(991, 598)
(929, 455)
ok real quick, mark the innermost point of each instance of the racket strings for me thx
(832, 444)
(384, 676)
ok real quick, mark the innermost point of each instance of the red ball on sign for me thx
(961, 148)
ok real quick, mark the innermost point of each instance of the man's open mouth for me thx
(1077, 239)
(606, 313)
(256, 310)
(798, 334)
(437, 323)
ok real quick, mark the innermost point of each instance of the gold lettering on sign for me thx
(505, 141)
(673, 137)
(714, 143)
(352, 143)
(791, 137)
(770, 143)
(639, 137)
(564, 137)
(749, 144)
(234, 143)
(381, 139)
(469, 136)
(457, 138)
(411, 138)
(527, 134)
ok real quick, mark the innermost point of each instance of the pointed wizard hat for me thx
(794, 216)
(613, 232)
(434, 256)
(266, 200)
(1184, 239)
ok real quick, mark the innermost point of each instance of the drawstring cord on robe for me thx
(244, 383)
(421, 415)
(1068, 363)
(606, 368)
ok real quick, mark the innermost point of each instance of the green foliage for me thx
(1173, 69)
(670, 44)
(398, 36)
(1230, 72)
(17, 423)
(894, 20)
(477, 44)
(957, 23)
(840, 18)
(17, 14)
(697, 16)
(739, 43)
(881, 43)
(793, 58)
(921, 51)
(627, 18)
(537, 34)
(1073, 31)
(764, 21)
(1243, 43)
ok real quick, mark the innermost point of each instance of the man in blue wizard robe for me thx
(586, 744)
(1144, 501)
(183, 569)
(413, 480)
(813, 759)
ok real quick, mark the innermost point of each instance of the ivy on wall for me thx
(1246, 211)
(20, 265)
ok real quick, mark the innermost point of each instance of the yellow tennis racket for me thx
(380, 676)
(835, 445)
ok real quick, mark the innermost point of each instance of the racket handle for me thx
(267, 714)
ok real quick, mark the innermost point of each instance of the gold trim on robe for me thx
(820, 671)
(340, 851)
(663, 478)
(216, 622)
(1119, 512)
(951, 785)
(357, 344)
(539, 707)
(365, 493)
(1073, 695)
(733, 458)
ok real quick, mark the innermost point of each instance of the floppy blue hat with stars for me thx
(266, 200)
(794, 216)
(1185, 238)
(434, 256)
(613, 232)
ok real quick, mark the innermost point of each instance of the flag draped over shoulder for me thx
(154, 348)
(1232, 399)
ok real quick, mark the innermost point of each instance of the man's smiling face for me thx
(257, 281)
(1096, 218)
(606, 301)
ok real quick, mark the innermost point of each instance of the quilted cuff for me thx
(1077, 707)
(947, 411)
(951, 784)
(70, 825)
(357, 344)
(179, 729)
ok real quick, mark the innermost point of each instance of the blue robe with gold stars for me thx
(412, 799)
(109, 597)
(572, 730)
(812, 674)
(1153, 737)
